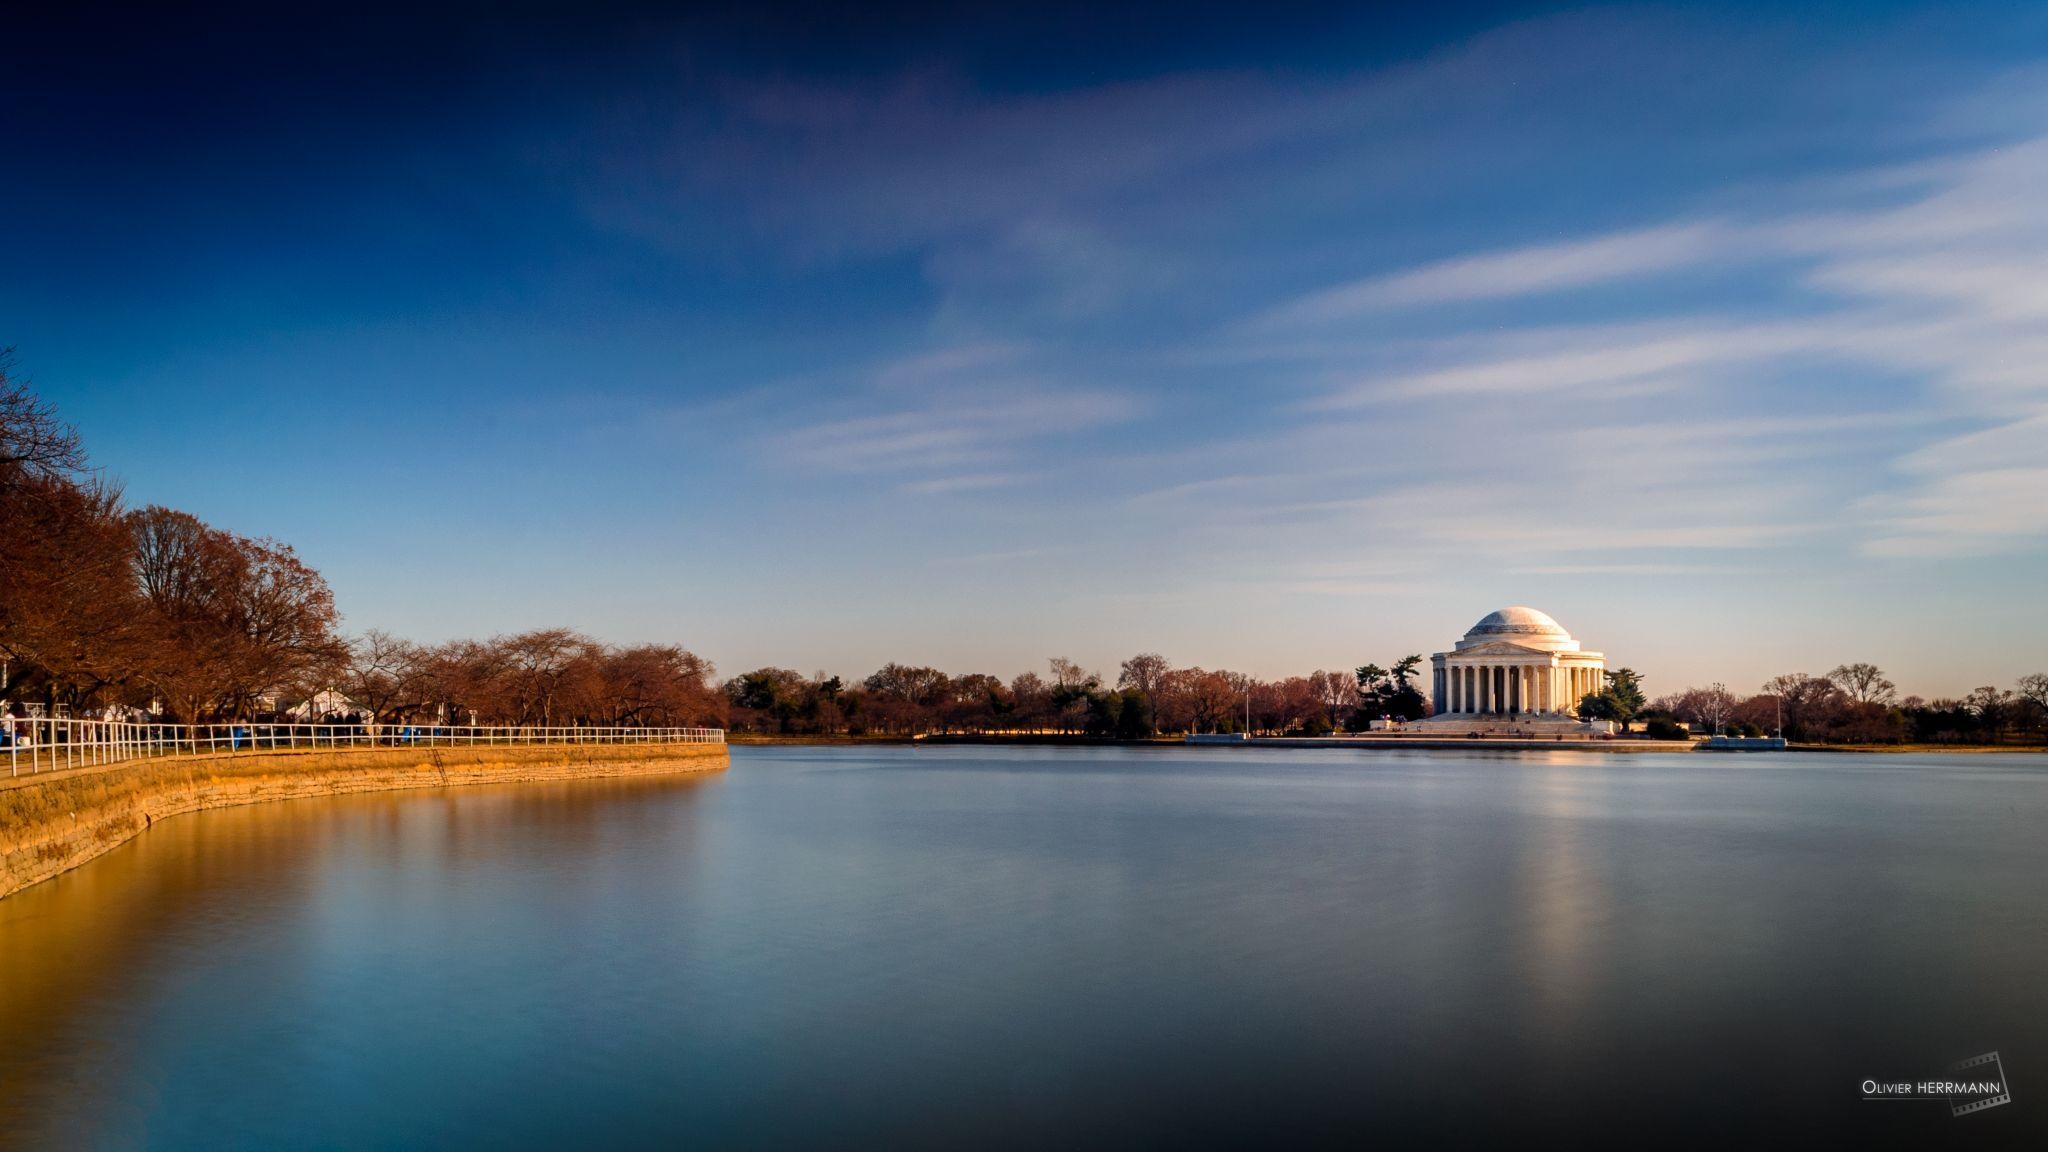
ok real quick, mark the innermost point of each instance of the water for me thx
(949, 947)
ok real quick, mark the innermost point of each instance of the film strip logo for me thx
(1986, 1069)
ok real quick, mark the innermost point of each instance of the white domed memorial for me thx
(1517, 663)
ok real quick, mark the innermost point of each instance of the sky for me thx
(1276, 338)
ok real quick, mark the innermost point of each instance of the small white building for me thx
(326, 702)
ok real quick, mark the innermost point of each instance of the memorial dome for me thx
(1516, 621)
(1520, 625)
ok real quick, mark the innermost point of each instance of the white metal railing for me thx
(46, 745)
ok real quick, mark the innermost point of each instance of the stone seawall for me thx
(56, 821)
(1469, 744)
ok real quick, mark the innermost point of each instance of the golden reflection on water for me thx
(72, 948)
(1566, 911)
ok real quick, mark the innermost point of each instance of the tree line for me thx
(1149, 696)
(105, 607)
(1858, 704)
(1854, 704)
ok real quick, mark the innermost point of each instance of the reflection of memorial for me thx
(1516, 668)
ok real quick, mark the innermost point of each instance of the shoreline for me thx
(51, 823)
(1938, 749)
(1462, 744)
(1620, 744)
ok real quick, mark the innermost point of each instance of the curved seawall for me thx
(56, 821)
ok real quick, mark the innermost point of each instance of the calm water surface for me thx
(975, 946)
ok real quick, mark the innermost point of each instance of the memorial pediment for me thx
(1501, 648)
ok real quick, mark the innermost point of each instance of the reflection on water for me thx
(938, 946)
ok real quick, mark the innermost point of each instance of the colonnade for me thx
(1497, 689)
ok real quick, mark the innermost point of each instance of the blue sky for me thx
(1267, 341)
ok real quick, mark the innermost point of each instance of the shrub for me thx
(1661, 729)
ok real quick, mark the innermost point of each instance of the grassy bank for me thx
(56, 821)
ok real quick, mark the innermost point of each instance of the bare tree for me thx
(2034, 688)
(1864, 683)
(234, 618)
(34, 442)
(1196, 700)
(1143, 672)
(1808, 703)
(653, 685)
(1032, 701)
(1710, 707)
(539, 665)
(1338, 692)
(70, 621)
(1067, 674)
(1993, 708)
(387, 675)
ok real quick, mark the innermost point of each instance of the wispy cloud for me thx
(1001, 556)
(952, 420)
(1978, 512)
(1634, 361)
(1941, 294)
(1523, 271)
(965, 482)
(953, 428)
